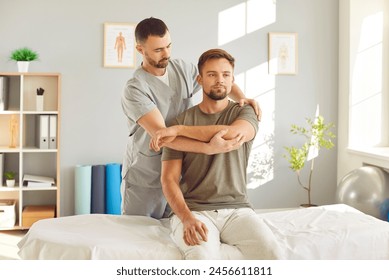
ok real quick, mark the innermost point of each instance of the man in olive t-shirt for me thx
(207, 193)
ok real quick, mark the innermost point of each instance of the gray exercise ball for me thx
(366, 189)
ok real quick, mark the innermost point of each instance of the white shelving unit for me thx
(26, 157)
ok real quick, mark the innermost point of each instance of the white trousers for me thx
(232, 234)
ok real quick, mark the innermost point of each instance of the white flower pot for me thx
(39, 102)
(10, 183)
(23, 66)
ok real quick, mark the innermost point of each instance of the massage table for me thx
(328, 232)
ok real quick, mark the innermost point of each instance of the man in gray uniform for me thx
(160, 89)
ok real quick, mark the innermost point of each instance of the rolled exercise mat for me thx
(113, 180)
(82, 189)
(98, 189)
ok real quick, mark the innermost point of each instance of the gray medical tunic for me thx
(141, 188)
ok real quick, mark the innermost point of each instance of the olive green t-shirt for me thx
(211, 182)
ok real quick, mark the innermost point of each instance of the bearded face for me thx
(160, 63)
(156, 53)
(216, 78)
(217, 92)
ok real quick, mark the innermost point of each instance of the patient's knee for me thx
(201, 252)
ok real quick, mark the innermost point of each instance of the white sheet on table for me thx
(98, 236)
(328, 232)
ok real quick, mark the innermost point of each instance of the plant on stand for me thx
(23, 57)
(317, 135)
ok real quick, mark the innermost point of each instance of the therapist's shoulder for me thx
(135, 89)
(138, 80)
(135, 83)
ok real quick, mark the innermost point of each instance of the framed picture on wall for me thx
(283, 53)
(119, 45)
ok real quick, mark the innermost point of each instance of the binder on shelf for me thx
(3, 93)
(52, 132)
(37, 181)
(42, 132)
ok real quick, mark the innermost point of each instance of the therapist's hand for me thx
(162, 137)
(253, 103)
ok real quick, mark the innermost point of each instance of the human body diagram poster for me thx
(119, 45)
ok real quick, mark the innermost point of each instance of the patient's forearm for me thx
(204, 133)
(176, 201)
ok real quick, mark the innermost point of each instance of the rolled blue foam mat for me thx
(113, 179)
(82, 189)
(98, 189)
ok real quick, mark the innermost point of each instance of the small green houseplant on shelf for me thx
(317, 135)
(23, 56)
(10, 178)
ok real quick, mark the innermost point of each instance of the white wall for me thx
(69, 37)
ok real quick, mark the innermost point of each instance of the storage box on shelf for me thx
(7, 214)
(29, 139)
(34, 213)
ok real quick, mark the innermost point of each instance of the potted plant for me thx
(317, 135)
(10, 178)
(23, 56)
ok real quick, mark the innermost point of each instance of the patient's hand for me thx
(219, 145)
(195, 231)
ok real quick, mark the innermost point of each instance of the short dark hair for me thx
(150, 27)
(214, 54)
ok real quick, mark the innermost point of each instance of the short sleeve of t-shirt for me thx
(135, 101)
(248, 114)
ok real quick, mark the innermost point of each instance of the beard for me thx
(163, 63)
(217, 94)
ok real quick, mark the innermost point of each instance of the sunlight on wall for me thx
(234, 23)
(366, 85)
(261, 162)
(245, 18)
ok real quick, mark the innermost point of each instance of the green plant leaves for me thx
(297, 157)
(24, 54)
(316, 129)
(9, 175)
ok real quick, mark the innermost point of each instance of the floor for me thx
(8, 244)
